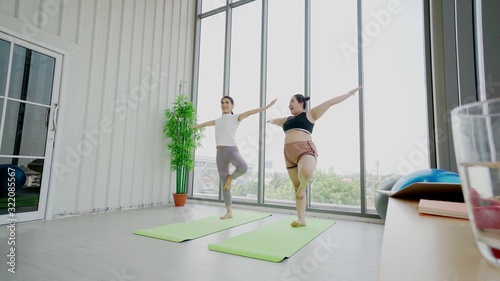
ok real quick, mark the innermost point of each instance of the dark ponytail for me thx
(301, 99)
(230, 99)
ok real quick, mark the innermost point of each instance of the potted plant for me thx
(182, 140)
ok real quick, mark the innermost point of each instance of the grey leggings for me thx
(229, 155)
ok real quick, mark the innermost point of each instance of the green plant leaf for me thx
(182, 140)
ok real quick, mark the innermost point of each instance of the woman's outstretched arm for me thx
(277, 121)
(202, 125)
(253, 111)
(316, 112)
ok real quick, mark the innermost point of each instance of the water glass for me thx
(476, 138)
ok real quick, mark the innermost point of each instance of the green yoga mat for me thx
(273, 242)
(188, 230)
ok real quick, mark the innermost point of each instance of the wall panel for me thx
(83, 147)
(50, 15)
(8, 7)
(118, 108)
(109, 191)
(126, 63)
(166, 180)
(69, 19)
(28, 11)
(130, 167)
(155, 113)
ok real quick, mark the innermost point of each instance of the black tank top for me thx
(300, 122)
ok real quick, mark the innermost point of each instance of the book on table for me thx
(443, 208)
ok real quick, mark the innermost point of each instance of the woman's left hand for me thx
(271, 103)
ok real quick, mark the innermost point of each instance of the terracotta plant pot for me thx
(180, 199)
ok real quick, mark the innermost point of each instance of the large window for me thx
(396, 138)
(211, 84)
(285, 78)
(244, 88)
(334, 72)
(312, 48)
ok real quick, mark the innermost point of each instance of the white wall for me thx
(122, 67)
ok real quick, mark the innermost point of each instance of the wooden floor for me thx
(102, 247)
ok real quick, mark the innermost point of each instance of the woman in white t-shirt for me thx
(227, 149)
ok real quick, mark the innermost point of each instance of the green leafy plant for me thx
(182, 140)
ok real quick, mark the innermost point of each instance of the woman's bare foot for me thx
(298, 223)
(227, 186)
(226, 216)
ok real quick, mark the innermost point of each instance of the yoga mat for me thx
(273, 242)
(188, 230)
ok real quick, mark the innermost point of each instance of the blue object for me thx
(426, 175)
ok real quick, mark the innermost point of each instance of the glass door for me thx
(28, 99)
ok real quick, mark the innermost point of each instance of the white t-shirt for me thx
(225, 129)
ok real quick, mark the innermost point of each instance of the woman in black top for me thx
(300, 151)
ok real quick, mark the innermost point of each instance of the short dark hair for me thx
(301, 99)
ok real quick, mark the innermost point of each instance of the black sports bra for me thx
(300, 122)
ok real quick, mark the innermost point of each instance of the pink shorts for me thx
(295, 150)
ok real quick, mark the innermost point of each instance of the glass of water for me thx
(476, 137)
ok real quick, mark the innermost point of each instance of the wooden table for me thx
(425, 247)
